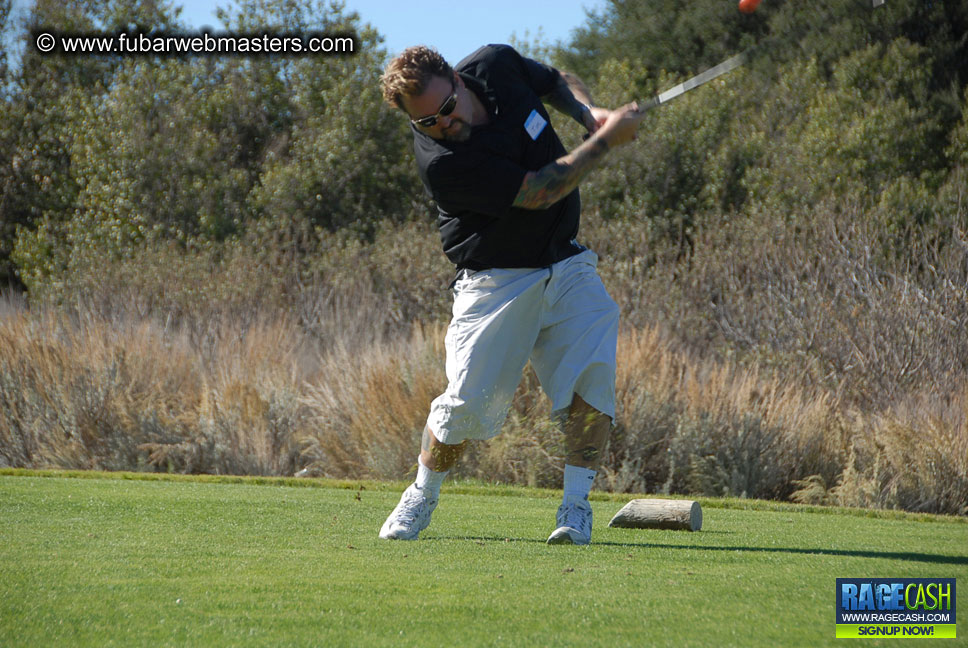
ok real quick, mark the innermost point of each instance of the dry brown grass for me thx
(778, 359)
(913, 457)
(369, 406)
(86, 392)
(693, 425)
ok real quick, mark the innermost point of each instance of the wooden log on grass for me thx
(683, 515)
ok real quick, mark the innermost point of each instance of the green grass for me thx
(114, 560)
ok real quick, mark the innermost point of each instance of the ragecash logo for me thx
(896, 607)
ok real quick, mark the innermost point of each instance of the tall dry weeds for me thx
(267, 395)
(692, 425)
(369, 406)
(87, 393)
(913, 457)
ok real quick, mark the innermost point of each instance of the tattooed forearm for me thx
(554, 181)
(570, 97)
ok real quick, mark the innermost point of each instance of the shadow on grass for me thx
(889, 555)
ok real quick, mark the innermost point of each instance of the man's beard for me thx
(458, 131)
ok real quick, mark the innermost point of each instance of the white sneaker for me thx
(410, 517)
(574, 522)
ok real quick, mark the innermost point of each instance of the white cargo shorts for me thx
(559, 317)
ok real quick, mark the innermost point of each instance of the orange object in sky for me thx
(748, 6)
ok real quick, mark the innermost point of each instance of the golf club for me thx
(715, 72)
(728, 65)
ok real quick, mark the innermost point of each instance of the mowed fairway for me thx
(120, 562)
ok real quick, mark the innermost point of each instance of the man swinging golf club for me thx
(509, 208)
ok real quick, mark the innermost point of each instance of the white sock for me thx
(428, 480)
(578, 481)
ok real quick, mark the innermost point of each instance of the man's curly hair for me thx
(410, 73)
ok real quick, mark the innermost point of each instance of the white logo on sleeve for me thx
(534, 124)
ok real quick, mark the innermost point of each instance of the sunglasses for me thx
(445, 109)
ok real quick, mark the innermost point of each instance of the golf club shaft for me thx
(728, 65)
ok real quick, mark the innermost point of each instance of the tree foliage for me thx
(110, 154)
(103, 158)
(840, 101)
